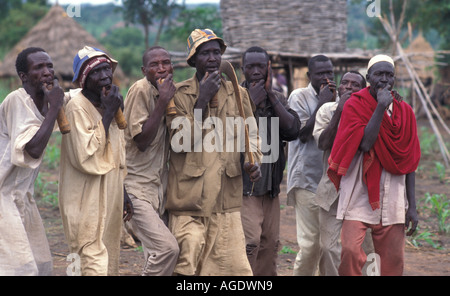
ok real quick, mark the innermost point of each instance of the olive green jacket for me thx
(205, 173)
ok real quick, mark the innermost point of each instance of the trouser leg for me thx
(352, 254)
(160, 246)
(308, 234)
(330, 233)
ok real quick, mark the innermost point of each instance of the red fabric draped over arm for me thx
(396, 149)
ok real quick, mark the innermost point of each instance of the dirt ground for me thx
(419, 261)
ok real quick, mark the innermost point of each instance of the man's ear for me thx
(308, 75)
(23, 77)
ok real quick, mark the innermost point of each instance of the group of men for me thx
(352, 153)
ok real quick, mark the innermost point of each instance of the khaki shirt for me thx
(147, 170)
(204, 180)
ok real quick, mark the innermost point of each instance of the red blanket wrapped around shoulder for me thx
(396, 149)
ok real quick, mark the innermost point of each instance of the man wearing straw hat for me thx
(204, 193)
(92, 169)
(373, 161)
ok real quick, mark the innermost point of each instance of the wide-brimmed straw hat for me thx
(198, 37)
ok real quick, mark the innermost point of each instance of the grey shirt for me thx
(304, 159)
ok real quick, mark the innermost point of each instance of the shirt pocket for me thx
(233, 186)
(190, 188)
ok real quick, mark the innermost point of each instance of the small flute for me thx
(120, 119)
(61, 118)
(170, 109)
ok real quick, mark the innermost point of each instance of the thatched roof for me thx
(61, 36)
(305, 26)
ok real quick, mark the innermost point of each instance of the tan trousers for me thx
(211, 246)
(308, 233)
(160, 246)
(261, 222)
(330, 244)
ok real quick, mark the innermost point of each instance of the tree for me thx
(126, 45)
(20, 18)
(145, 12)
(163, 10)
(204, 16)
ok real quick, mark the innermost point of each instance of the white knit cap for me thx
(380, 58)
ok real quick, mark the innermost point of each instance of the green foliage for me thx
(427, 16)
(46, 190)
(147, 13)
(420, 237)
(99, 20)
(440, 170)
(287, 250)
(53, 151)
(4, 91)
(127, 46)
(434, 14)
(17, 23)
(203, 16)
(428, 141)
(438, 206)
(359, 33)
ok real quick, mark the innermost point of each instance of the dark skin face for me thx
(40, 71)
(99, 77)
(380, 76)
(100, 91)
(207, 58)
(255, 67)
(350, 83)
(319, 73)
(157, 64)
(41, 74)
(255, 71)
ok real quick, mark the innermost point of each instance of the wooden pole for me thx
(421, 92)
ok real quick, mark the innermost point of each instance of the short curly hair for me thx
(22, 58)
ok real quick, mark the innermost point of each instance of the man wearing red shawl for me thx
(373, 163)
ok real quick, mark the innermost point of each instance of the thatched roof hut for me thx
(61, 36)
(421, 55)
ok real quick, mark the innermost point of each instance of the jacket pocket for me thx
(189, 188)
(233, 187)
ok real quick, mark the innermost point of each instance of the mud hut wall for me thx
(286, 25)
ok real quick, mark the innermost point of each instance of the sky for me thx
(65, 2)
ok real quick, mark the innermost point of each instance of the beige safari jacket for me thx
(204, 181)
